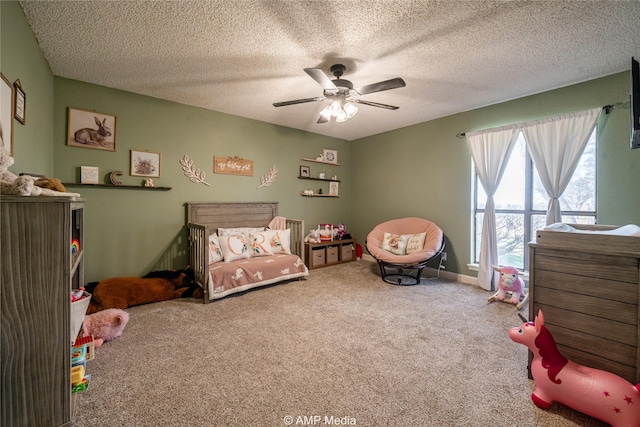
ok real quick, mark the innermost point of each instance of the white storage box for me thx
(78, 310)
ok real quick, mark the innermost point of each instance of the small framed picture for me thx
(333, 188)
(20, 108)
(305, 171)
(90, 129)
(330, 156)
(145, 163)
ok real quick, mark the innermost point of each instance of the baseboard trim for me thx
(433, 272)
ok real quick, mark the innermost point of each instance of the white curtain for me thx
(556, 145)
(490, 151)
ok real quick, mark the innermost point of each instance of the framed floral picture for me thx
(145, 163)
(90, 129)
(330, 156)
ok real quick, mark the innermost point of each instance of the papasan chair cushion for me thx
(433, 244)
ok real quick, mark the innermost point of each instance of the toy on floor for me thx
(124, 292)
(105, 325)
(597, 393)
(510, 282)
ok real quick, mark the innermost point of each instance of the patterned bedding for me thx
(229, 277)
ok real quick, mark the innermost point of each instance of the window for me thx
(521, 203)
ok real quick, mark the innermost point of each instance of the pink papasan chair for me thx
(405, 269)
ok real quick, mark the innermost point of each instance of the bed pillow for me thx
(215, 253)
(415, 242)
(395, 243)
(281, 241)
(260, 244)
(234, 247)
(240, 230)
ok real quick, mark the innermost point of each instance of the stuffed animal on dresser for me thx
(105, 325)
(12, 184)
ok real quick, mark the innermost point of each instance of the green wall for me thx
(21, 58)
(131, 231)
(421, 170)
(425, 170)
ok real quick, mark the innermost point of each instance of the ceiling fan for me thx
(341, 91)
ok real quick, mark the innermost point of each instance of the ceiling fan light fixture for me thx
(326, 112)
(350, 109)
(341, 117)
(335, 108)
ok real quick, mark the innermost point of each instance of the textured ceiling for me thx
(239, 57)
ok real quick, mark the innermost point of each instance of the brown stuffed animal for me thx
(51, 183)
(124, 292)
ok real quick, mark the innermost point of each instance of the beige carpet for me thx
(340, 344)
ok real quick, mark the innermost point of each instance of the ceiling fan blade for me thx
(375, 104)
(380, 86)
(298, 101)
(318, 75)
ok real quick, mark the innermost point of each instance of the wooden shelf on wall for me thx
(127, 187)
(320, 161)
(318, 179)
(319, 195)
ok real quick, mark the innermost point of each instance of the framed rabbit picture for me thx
(90, 129)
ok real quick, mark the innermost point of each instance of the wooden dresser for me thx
(39, 269)
(587, 285)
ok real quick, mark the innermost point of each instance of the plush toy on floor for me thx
(510, 281)
(105, 325)
(597, 393)
(125, 292)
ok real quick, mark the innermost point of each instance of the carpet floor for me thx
(339, 348)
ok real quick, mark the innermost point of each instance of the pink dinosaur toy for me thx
(510, 281)
(597, 393)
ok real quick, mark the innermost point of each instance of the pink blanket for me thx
(229, 277)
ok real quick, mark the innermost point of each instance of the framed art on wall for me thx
(333, 188)
(145, 163)
(90, 129)
(330, 156)
(6, 114)
(20, 105)
(305, 171)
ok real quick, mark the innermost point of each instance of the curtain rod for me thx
(607, 109)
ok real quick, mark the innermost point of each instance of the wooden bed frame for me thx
(204, 219)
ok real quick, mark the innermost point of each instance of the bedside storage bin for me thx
(346, 252)
(317, 257)
(332, 254)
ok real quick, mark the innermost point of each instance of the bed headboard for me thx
(216, 215)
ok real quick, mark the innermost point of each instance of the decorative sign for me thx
(89, 175)
(232, 166)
